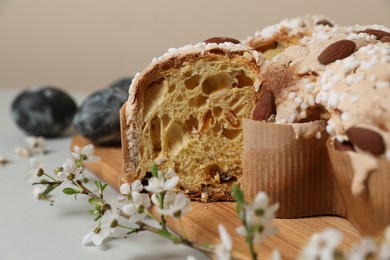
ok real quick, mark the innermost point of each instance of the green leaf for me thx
(169, 235)
(93, 212)
(104, 187)
(98, 185)
(238, 194)
(49, 189)
(208, 245)
(93, 201)
(70, 191)
(154, 170)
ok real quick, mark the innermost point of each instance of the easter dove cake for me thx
(186, 109)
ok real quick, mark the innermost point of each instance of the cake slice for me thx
(185, 112)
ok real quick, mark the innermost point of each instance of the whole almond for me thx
(265, 107)
(385, 39)
(336, 51)
(324, 22)
(367, 140)
(219, 40)
(378, 33)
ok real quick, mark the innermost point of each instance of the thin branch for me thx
(85, 190)
(47, 183)
(179, 240)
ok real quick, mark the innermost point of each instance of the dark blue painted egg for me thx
(43, 111)
(98, 116)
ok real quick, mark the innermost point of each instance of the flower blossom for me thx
(137, 207)
(322, 245)
(384, 251)
(163, 182)
(136, 203)
(275, 255)
(126, 190)
(36, 144)
(105, 229)
(85, 154)
(35, 170)
(258, 218)
(38, 191)
(223, 250)
(366, 248)
(23, 152)
(176, 205)
(3, 160)
(69, 171)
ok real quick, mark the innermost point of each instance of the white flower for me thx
(3, 160)
(163, 182)
(169, 197)
(384, 251)
(276, 255)
(254, 223)
(106, 227)
(191, 257)
(69, 171)
(258, 218)
(363, 250)
(224, 249)
(322, 245)
(137, 202)
(176, 205)
(35, 169)
(262, 208)
(23, 152)
(137, 206)
(387, 234)
(86, 154)
(36, 144)
(135, 186)
(38, 190)
(126, 190)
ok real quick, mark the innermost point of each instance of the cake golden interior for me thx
(185, 112)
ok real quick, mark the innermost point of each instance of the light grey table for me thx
(32, 229)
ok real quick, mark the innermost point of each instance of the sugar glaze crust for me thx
(349, 92)
(273, 39)
(132, 113)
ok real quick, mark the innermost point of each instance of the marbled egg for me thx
(98, 116)
(122, 84)
(43, 111)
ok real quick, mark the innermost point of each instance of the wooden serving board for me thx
(201, 223)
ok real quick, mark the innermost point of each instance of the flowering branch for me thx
(69, 176)
(88, 192)
(256, 217)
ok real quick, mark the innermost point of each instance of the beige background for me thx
(87, 44)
